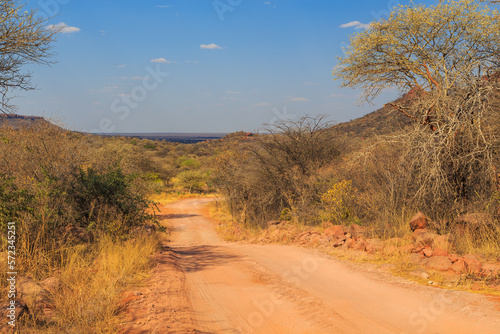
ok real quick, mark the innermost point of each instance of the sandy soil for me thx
(203, 285)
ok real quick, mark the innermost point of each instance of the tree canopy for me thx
(445, 58)
(443, 50)
(24, 39)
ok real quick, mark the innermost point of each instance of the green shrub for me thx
(102, 196)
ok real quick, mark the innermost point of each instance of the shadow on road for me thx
(196, 258)
(175, 216)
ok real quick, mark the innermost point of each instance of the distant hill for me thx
(17, 121)
(383, 121)
(184, 138)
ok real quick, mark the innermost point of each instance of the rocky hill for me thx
(17, 121)
(383, 121)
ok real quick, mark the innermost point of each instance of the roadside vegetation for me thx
(85, 215)
(433, 150)
(84, 205)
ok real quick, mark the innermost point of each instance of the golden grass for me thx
(93, 279)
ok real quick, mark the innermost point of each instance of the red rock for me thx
(419, 221)
(423, 237)
(415, 257)
(357, 231)
(439, 263)
(390, 249)
(458, 266)
(336, 231)
(360, 245)
(274, 234)
(304, 237)
(491, 269)
(338, 243)
(351, 243)
(453, 258)
(442, 241)
(440, 252)
(315, 239)
(407, 249)
(419, 249)
(428, 252)
(472, 264)
(373, 245)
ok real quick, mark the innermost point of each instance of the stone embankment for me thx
(423, 247)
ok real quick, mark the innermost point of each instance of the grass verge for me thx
(93, 279)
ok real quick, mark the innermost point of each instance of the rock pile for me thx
(424, 247)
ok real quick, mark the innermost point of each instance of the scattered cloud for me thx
(105, 89)
(262, 104)
(299, 99)
(131, 78)
(336, 96)
(62, 28)
(212, 46)
(231, 98)
(103, 32)
(308, 83)
(162, 6)
(232, 92)
(162, 60)
(120, 66)
(356, 25)
(267, 3)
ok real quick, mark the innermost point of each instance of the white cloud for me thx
(162, 60)
(120, 66)
(308, 83)
(356, 25)
(212, 46)
(162, 6)
(262, 104)
(232, 92)
(336, 96)
(105, 89)
(229, 98)
(62, 28)
(299, 99)
(267, 3)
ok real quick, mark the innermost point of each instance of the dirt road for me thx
(236, 288)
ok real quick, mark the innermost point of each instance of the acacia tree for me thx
(24, 39)
(447, 56)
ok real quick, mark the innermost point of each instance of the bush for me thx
(340, 202)
(193, 181)
(104, 198)
(286, 169)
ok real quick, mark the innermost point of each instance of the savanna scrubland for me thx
(84, 205)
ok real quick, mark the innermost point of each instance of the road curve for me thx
(240, 288)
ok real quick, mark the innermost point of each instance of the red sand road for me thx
(245, 288)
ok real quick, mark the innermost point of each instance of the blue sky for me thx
(197, 66)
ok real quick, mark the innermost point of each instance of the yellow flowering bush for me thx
(339, 201)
